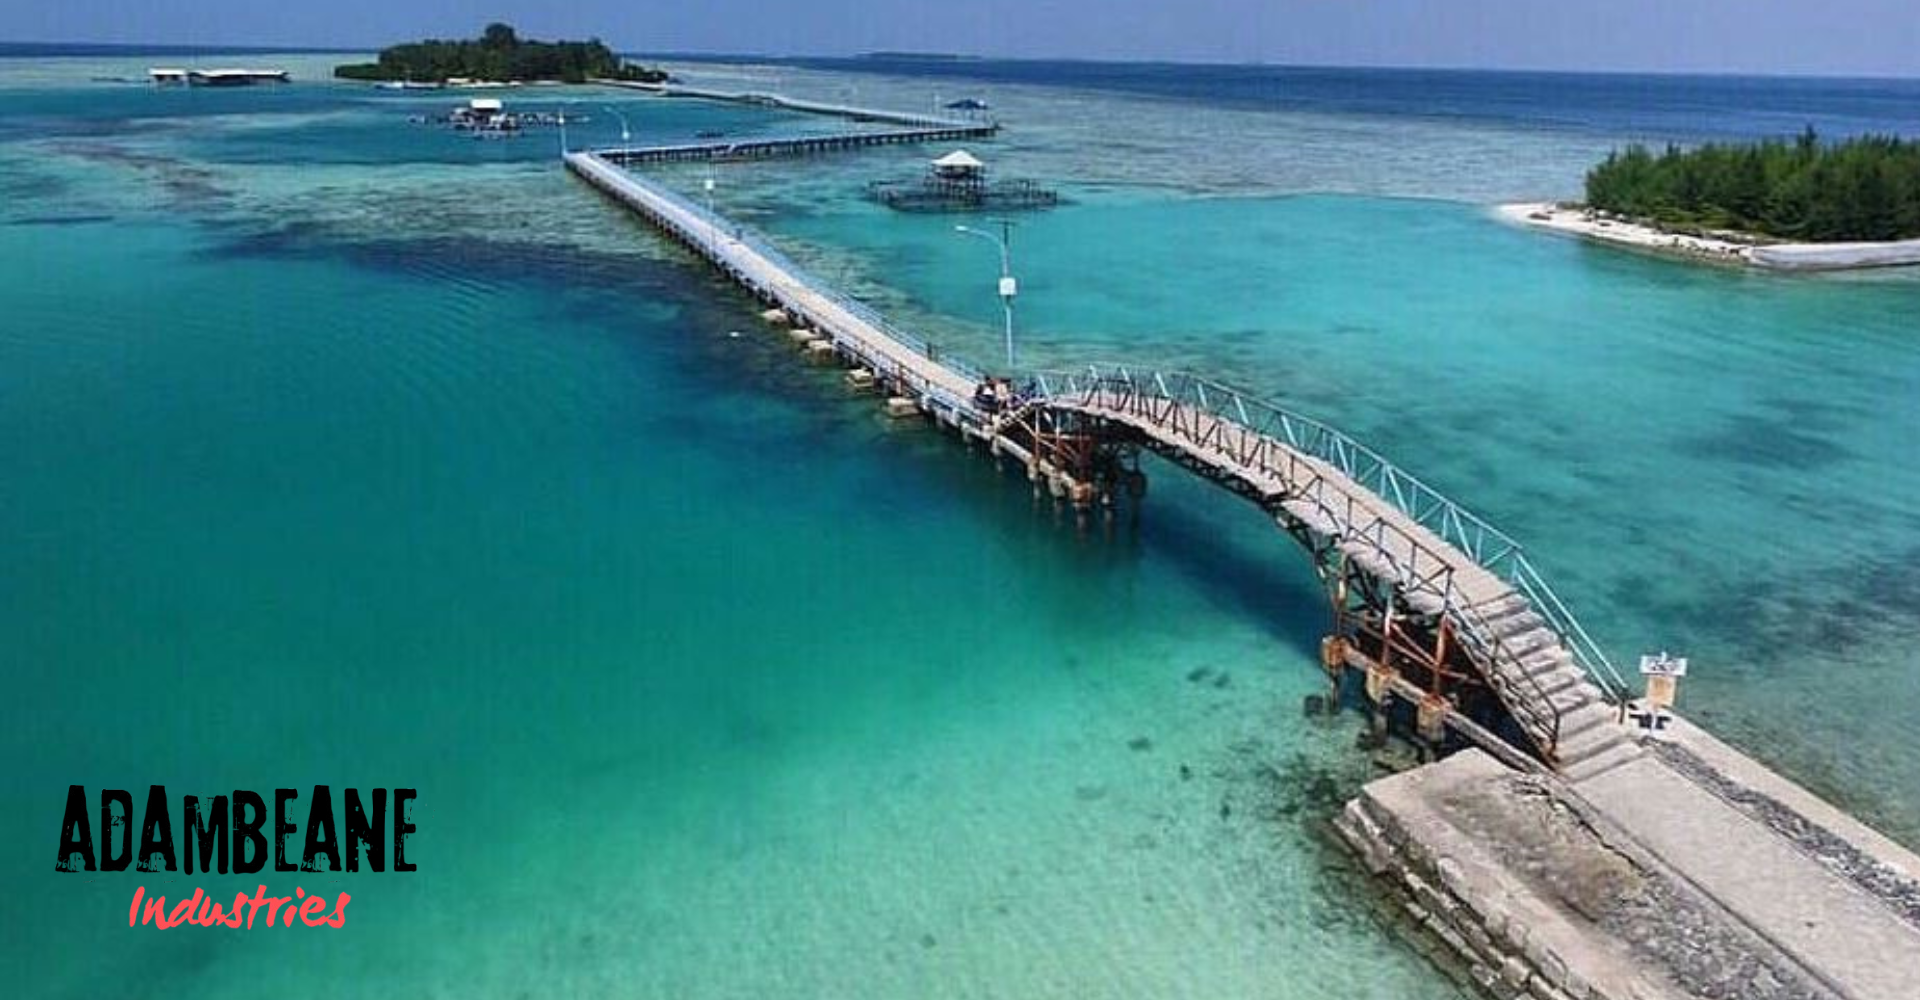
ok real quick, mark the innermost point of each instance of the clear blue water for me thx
(1677, 107)
(342, 450)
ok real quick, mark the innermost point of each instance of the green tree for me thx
(499, 54)
(1865, 188)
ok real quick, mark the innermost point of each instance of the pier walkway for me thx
(1469, 601)
(767, 100)
(913, 129)
(760, 149)
(944, 387)
(1349, 503)
(1576, 857)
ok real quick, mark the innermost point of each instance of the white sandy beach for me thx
(1578, 221)
(1575, 221)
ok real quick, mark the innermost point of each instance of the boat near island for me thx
(488, 118)
(228, 77)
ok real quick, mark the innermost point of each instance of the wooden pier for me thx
(1576, 857)
(1431, 603)
(1433, 607)
(761, 149)
(763, 99)
(905, 364)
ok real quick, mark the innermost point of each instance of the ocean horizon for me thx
(958, 62)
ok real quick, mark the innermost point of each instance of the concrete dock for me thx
(1690, 872)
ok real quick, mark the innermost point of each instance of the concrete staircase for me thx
(1535, 673)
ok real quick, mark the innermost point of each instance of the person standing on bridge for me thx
(986, 396)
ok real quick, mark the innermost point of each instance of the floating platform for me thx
(958, 182)
(933, 196)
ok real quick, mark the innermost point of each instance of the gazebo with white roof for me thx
(959, 165)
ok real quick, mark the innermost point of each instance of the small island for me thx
(1795, 205)
(499, 55)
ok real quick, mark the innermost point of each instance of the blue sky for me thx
(1863, 37)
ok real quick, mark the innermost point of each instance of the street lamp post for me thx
(626, 134)
(1008, 286)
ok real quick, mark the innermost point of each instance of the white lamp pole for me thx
(626, 134)
(1008, 286)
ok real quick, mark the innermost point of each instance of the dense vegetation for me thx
(499, 55)
(1866, 188)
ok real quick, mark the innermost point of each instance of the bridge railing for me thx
(1267, 436)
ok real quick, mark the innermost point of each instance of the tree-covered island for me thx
(501, 56)
(1861, 189)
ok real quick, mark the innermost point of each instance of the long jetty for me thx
(1568, 841)
(764, 99)
(760, 149)
(942, 387)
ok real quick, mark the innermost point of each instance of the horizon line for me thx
(957, 58)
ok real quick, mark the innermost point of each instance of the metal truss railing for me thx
(1298, 452)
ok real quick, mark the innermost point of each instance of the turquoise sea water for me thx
(341, 450)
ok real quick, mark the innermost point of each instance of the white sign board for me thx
(1663, 665)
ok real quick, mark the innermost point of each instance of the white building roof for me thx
(959, 159)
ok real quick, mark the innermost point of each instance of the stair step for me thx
(1539, 667)
(1593, 740)
(1604, 758)
(1547, 661)
(1526, 644)
(1553, 682)
(1508, 603)
(1516, 623)
(1571, 700)
(1577, 722)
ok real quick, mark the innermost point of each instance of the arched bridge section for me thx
(1431, 604)
(1429, 600)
